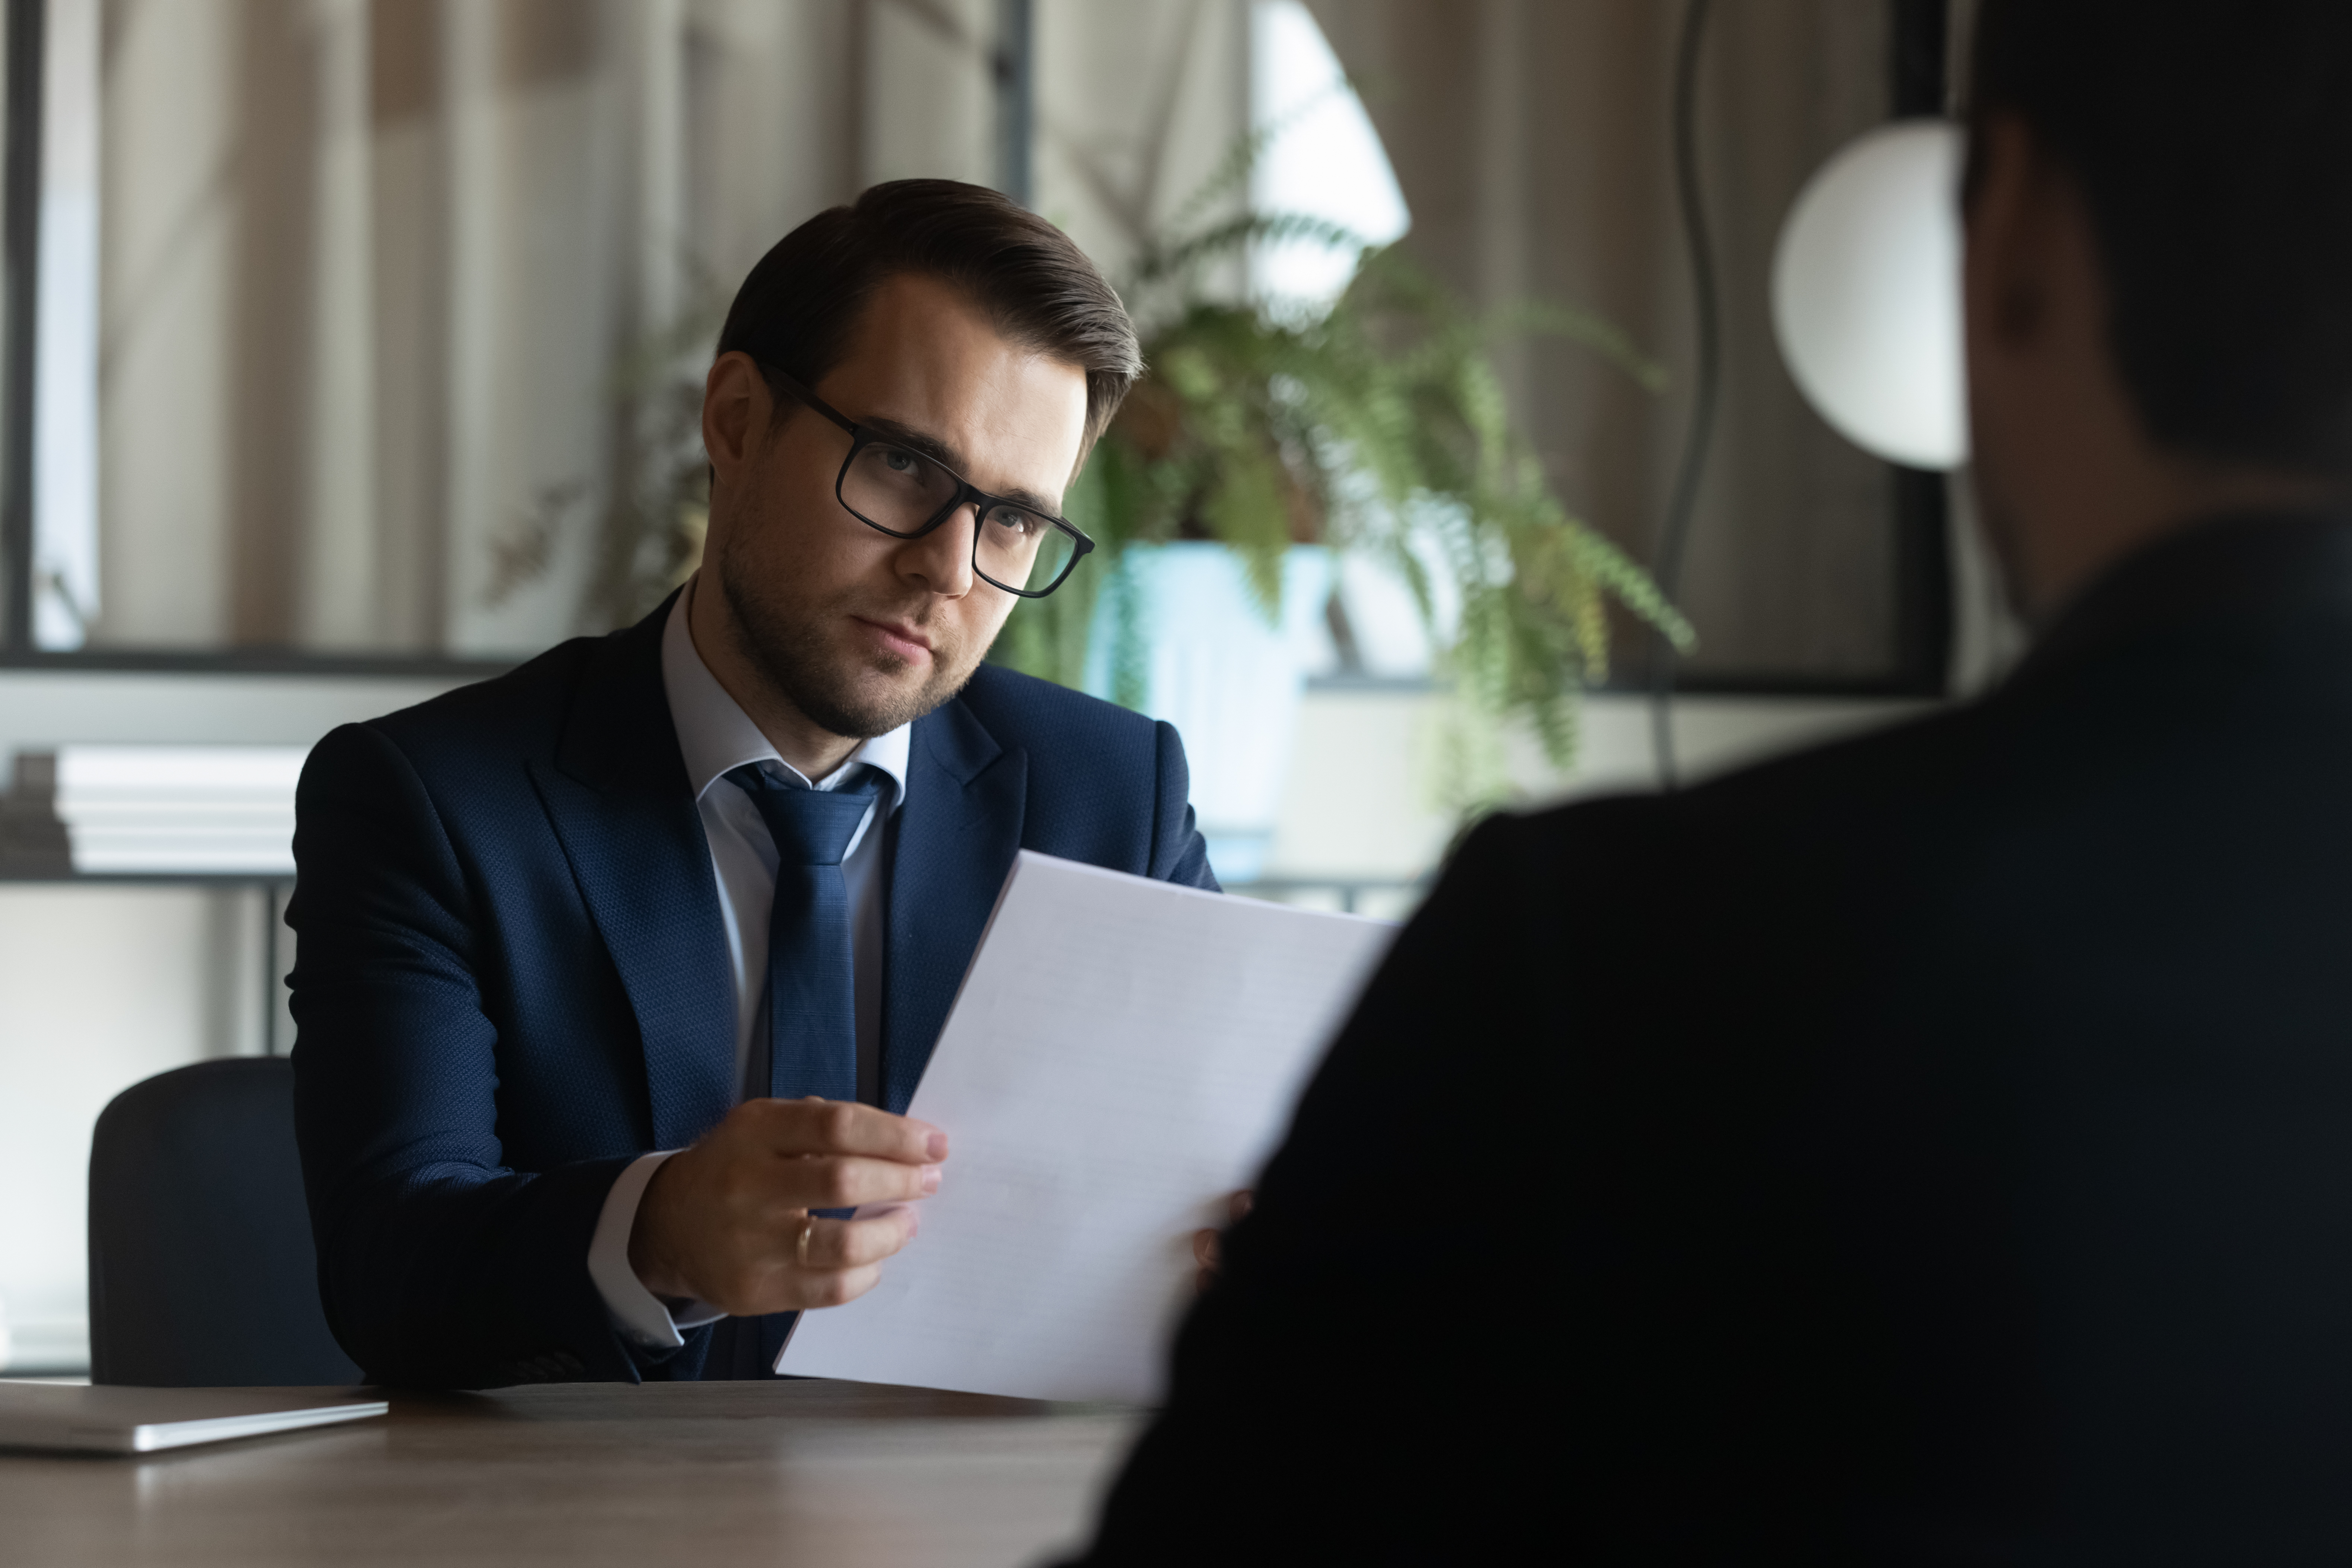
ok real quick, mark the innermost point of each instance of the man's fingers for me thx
(833, 1289)
(845, 1182)
(814, 1126)
(835, 1244)
(1207, 1244)
(842, 1261)
(723, 1221)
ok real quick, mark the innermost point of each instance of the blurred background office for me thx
(351, 351)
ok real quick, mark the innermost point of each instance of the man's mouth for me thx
(900, 637)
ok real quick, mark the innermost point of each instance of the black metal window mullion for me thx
(1014, 65)
(1920, 84)
(20, 224)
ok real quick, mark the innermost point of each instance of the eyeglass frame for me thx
(861, 437)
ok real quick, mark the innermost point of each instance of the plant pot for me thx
(1208, 661)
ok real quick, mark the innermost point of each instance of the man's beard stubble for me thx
(785, 644)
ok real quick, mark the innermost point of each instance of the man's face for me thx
(860, 631)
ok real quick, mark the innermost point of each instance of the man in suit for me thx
(617, 973)
(1937, 1148)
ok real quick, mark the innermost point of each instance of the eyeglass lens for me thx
(901, 491)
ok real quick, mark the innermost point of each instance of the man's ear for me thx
(2007, 283)
(736, 412)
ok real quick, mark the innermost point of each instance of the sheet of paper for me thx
(1122, 1054)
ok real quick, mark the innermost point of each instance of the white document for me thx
(1122, 1056)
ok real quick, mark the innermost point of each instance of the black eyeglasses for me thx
(895, 489)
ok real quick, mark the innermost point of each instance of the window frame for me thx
(26, 30)
(1919, 504)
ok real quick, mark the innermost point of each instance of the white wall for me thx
(100, 987)
(103, 985)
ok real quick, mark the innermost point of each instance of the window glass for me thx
(362, 321)
(375, 326)
(1533, 146)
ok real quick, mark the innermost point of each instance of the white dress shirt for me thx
(715, 735)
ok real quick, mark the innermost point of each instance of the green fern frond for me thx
(1381, 427)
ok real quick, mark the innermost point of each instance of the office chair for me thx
(201, 1268)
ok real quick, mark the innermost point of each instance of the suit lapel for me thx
(957, 835)
(618, 794)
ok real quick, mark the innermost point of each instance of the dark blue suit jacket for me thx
(512, 980)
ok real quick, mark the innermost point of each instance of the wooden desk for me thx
(708, 1475)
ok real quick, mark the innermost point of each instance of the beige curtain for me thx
(372, 271)
(375, 277)
(1139, 102)
(378, 279)
(1531, 141)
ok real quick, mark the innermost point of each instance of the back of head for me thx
(797, 309)
(2212, 143)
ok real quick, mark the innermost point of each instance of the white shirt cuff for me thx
(637, 1311)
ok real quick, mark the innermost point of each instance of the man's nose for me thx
(941, 561)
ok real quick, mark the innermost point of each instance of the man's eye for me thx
(1014, 520)
(899, 462)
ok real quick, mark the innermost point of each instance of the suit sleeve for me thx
(437, 1264)
(1179, 853)
(1320, 1375)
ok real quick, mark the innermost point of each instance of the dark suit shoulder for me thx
(1910, 758)
(1914, 754)
(1742, 867)
(521, 710)
(1102, 784)
(1022, 710)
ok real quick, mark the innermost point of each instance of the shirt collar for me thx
(715, 734)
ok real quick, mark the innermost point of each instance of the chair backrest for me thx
(201, 1268)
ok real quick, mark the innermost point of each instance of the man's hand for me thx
(1204, 1242)
(727, 1222)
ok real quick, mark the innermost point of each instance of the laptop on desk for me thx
(117, 1420)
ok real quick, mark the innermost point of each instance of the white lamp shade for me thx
(1866, 294)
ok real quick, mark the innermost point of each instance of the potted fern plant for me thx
(1276, 437)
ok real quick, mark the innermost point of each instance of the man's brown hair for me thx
(797, 309)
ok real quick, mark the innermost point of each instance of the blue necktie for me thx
(811, 977)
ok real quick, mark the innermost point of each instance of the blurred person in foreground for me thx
(617, 973)
(1936, 1148)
